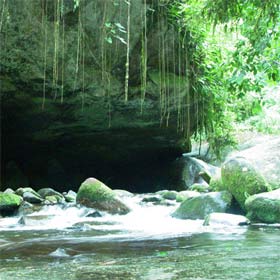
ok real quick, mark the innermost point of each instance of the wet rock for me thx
(9, 203)
(35, 220)
(32, 197)
(264, 207)
(25, 208)
(94, 214)
(123, 193)
(170, 195)
(203, 205)
(224, 219)
(200, 187)
(165, 202)
(241, 179)
(193, 170)
(183, 195)
(253, 170)
(95, 194)
(44, 192)
(70, 196)
(154, 199)
(21, 191)
(9, 190)
(54, 199)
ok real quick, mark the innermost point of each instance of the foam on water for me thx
(145, 221)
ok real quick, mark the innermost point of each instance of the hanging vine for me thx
(144, 55)
(56, 45)
(45, 39)
(62, 51)
(127, 51)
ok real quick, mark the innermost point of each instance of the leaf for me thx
(256, 109)
(120, 27)
(162, 254)
(121, 39)
(109, 40)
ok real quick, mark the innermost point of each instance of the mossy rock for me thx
(170, 195)
(241, 179)
(254, 170)
(201, 206)
(216, 184)
(9, 203)
(70, 196)
(95, 194)
(264, 207)
(21, 191)
(32, 197)
(199, 187)
(183, 195)
(44, 192)
(53, 199)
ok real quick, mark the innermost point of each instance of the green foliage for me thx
(237, 52)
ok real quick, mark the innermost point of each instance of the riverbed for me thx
(61, 242)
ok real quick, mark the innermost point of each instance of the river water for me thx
(61, 243)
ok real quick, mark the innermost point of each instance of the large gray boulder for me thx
(201, 206)
(264, 207)
(253, 170)
(95, 194)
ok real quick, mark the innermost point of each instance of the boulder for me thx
(48, 192)
(94, 214)
(9, 203)
(53, 199)
(32, 197)
(95, 194)
(152, 198)
(27, 208)
(170, 195)
(21, 191)
(70, 196)
(225, 219)
(201, 206)
(192, 170)
(253, 170)
(183, 195)
(9, 190)
(200, 187)
(264, 207)
(123, 193)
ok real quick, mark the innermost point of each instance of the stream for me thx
(60, 242)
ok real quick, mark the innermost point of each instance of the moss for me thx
(95, 190)
(262, 209)
(241, 179)
(183, 195)
(199, 207)
(9, 199)
(9, 202)
(93, 193)
(171, 195)
(199, 187)
(216, 184)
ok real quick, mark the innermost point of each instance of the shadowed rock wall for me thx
(63, 112)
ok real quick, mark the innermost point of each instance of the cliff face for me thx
(63, 111)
